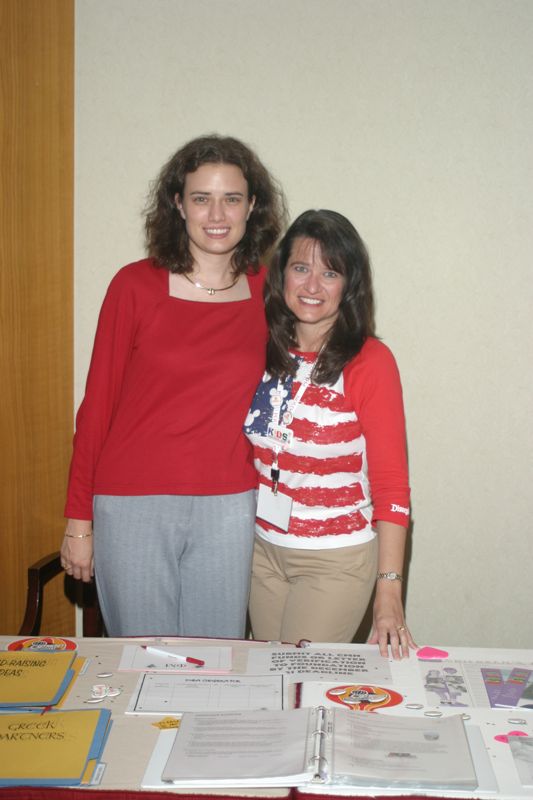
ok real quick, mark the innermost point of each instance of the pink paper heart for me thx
(429, 653)
(503, 737)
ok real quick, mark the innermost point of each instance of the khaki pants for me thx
(320, 595)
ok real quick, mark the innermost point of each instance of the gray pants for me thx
(174, 565)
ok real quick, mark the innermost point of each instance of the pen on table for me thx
(155, 651)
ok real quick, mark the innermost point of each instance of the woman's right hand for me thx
(77, 550)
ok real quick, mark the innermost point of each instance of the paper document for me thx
(138, 658)
(398, 751)
(174, 694)
(477, 684)
(522, 750)
(241, 749)
(298, 665)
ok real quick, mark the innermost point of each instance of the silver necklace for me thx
(209, 289)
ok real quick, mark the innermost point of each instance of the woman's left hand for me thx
(389, 625)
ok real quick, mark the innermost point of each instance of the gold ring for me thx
(401, 628)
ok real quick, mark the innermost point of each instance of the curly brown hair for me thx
(166, 236)
(343, 249)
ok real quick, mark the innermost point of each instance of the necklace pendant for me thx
(210, 289)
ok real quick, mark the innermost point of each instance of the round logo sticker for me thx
(359, 697)
(42, 644)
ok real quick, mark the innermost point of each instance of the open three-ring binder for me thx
(330, 748)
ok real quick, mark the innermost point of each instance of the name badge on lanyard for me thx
(274, 508)
(279, 435)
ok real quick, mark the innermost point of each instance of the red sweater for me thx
(167, 392)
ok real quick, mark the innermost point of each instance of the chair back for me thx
(84, 593)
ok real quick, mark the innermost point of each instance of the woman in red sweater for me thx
(160, 462)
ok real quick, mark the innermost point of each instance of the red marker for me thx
(165, 654)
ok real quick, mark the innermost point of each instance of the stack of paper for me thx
(34, 679)
(59, 748)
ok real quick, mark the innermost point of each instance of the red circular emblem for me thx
(360, 697)
(43, 644)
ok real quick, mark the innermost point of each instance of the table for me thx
(132, 738)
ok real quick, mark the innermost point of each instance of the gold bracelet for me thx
(78, 535)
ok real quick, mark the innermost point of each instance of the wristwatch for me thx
(390, 576)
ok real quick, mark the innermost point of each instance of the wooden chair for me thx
(38, 576)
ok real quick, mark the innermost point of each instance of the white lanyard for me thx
(294, 402)
(288, 416)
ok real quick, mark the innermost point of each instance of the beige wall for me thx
(414, 118)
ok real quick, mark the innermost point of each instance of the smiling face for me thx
(215, 206)
(313, 292)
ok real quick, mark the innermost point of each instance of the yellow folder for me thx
(52, 748)
(28, 678)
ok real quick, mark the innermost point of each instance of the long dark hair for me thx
(166, 236)
(344, 251)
